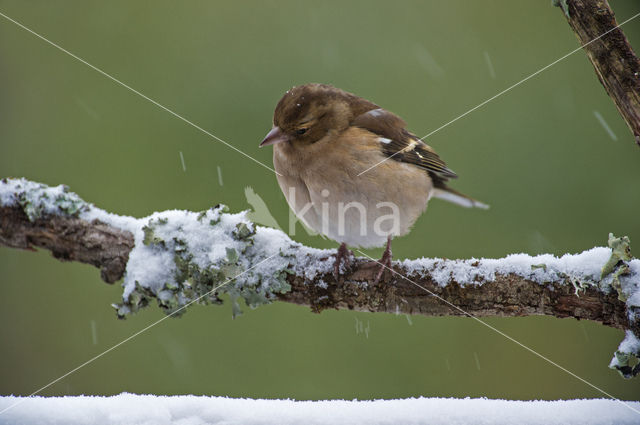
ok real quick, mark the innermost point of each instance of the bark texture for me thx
(73, 239)
(615, 63)
(508, 295)
(69, 239)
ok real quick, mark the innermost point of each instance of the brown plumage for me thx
(341, 160)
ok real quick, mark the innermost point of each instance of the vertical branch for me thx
(615, 63)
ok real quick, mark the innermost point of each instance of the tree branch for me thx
(181, 257)
(615, 63)
(69, 239)
(106, 247)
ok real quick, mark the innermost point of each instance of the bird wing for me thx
(401, 145)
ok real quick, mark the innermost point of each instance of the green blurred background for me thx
(556, 180)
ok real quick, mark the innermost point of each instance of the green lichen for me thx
(617, 265)
(139, 298)
(199, 281)
(627, 364)
(69, 203)
(562, 4)
(539, 266)
(626, 359)
(222, 209)
(578, 285)
(32, 208)
(232, 255)
(243, 231)
(37, 200)
(149, 232)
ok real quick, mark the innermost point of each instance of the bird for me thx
(351, 171)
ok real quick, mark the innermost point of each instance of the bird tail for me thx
(446, 193)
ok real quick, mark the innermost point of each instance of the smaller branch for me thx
(615, 63)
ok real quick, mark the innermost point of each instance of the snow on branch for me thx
(176, 258)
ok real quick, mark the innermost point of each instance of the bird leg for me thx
(342, 255)
(385, 261)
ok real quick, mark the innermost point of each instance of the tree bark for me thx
(69, 239)
(613, 59)
(73, 239)
(507, 295)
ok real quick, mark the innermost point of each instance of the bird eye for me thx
(301, 130)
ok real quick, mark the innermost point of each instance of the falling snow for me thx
(604, 125)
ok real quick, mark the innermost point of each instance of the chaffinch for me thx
(351, 171)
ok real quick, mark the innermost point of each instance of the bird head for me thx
(308, 113)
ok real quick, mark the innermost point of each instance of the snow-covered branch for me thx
(180, 257)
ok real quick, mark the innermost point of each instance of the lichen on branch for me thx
(178, 258)
(181, 257)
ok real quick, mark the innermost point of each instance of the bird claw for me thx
(385, 262)
(343, 255)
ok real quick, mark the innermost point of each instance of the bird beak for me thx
(274, 136)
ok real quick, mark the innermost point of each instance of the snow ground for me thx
(196, 410)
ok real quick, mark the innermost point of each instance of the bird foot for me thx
(385, 262)
(342, 256)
